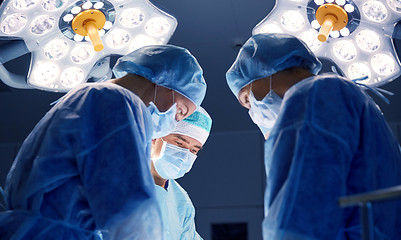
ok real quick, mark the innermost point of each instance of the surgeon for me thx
(84, 171)
(172, 157)
(326, 139)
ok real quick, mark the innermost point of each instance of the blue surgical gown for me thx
(330, 140)
(178, 212)
(84, 171)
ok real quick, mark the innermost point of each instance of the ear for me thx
(243, 97)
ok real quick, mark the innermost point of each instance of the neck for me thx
(284, 80)
(156, 177)
(142, 87)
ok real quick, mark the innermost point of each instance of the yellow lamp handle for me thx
(93, 34)
(87, 23)
(327, 26)
(330, 17)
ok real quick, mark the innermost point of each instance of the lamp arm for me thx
(9, 51)
(13, 80)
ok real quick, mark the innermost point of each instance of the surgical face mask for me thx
(163, 122)
(173, 161)
(264, 113)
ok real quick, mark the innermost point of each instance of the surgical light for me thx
(292, 21)
(359, 70)
(157, 27)
(118, 38)
(13, 23)
(375, 11)
(46, 73)
(311, 38)
(51, 5)
(345, 50)
(395, 5)
(140, 41)
(383, 64)
(368, 40)
(66, 38)
(131, 18)
(271, 28)
(82, 53)
(56, 49)
(42, 24)
(334, 34)
(71, 77)
(24, 4)
(355, 34)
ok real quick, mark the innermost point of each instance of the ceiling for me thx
(213, 31)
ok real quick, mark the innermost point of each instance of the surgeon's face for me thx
(260, 88)
(164, 100)
(182, 141)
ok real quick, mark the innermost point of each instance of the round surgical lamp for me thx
(356, 35)
(71, 41)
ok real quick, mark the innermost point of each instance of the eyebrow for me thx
(182, 138)
(186, 141)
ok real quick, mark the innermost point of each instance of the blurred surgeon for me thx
(172, 157)
(84, 171)
(326, 139)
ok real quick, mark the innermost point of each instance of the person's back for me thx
(326, 139)
(84, 171)
(336, 142)
(54, 184)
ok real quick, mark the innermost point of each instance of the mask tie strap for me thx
(270, 87)
(376, 90)
(154, 98)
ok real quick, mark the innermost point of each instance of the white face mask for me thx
(173, 161)
(264, 113)
(163, 122)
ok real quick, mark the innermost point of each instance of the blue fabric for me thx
(330, 140)
(168, 66)
(178, 213)
(84, 171)
(263, 55)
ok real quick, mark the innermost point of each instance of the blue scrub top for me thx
(178, 212)
(330, 140)
(84, 171)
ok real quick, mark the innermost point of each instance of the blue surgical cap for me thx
(168, 66)
(265, 54)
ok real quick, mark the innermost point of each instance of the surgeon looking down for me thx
(172, 157)
(326, 139)
(84, 170)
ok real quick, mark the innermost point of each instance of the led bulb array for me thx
(362, 48)
(61, 58)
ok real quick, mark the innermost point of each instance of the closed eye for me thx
(179, 143)
(194, 151)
